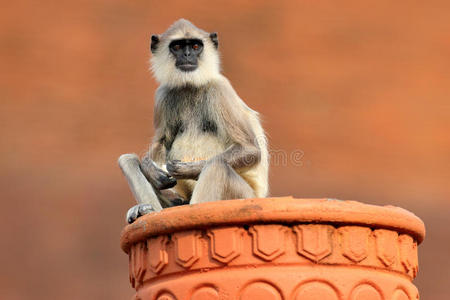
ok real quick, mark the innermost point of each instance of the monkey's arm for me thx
(185, 170)
(159, 178)
(157, 152)
(237, 156)
(241, 156)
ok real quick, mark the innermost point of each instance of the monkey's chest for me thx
(192, 146)
(192, 132)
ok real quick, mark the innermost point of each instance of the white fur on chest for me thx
(193, 147)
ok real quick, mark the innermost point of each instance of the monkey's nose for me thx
(187, 52)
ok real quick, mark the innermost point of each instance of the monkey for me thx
(208, 145)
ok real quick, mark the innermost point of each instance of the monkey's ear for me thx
(214, 39)
(154, 42)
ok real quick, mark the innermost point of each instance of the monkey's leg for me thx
(142, 190)
(145, 180)
(219, 181)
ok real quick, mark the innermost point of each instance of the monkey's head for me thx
(185, 54)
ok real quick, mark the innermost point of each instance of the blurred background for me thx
(360, 89)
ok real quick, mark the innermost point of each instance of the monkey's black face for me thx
(186, 52)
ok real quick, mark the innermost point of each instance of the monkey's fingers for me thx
(159, 178)
(174, 168)
(185, 170)
(165, 182)
(178, 169)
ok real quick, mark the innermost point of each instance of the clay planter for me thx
(278, 248)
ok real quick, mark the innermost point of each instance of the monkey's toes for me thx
(138, 211)
(178, 201)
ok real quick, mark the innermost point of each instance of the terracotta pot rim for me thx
(285, 210)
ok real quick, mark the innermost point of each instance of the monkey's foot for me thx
(138, 211)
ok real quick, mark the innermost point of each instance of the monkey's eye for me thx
(195, 46)
(176, 47)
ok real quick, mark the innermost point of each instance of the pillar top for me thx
(285, 210)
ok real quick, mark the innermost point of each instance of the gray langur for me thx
(208, 144)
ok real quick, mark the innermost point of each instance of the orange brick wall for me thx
(358, 91)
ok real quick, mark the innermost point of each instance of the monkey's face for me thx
(187, 53)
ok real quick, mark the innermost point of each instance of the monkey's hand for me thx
(185, 170)
(158, 178)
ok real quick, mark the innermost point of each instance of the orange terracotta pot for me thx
(277, 248)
